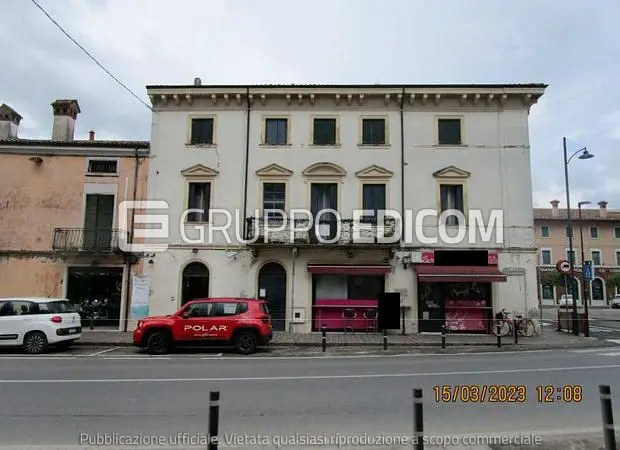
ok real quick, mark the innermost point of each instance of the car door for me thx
(194, 323)
(224, 315)
(10, 324)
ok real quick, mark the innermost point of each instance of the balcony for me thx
(329, 233)
(79, 240)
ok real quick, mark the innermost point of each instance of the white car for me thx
(566, 301)
(615, 302)
(37, 323)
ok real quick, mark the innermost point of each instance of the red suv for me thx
(244, 323)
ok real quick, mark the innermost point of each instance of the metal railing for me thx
(276, 231)
(81, 240)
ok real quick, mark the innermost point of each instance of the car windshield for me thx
(264, 308)
(59, 307)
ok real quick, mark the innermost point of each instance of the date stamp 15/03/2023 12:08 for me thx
(507, 393)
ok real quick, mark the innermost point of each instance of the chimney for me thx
(603, 207)
(65, 115)
(555, 212)
(197, 81)
(91, 135)
(9, 122)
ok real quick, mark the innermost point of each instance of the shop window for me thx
(547, 292)
(597, 289)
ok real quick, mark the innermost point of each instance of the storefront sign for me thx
(492, 258)
(205, 328)
(428, 257)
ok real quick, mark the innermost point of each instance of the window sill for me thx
(195, 223)
(449, 146)
(189, 144)
(324, 146)
(275, 147)
(373, 146)
(103, 175)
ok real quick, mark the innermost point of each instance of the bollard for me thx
(608, 417)
(515, 327)
(559, 327)
(443, 336)
(384, 339)
(418, 420)
(499, 335)
(214, 419)
(323, 338)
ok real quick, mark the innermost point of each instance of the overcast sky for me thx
(572, 45)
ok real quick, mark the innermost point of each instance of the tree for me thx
(613, 282)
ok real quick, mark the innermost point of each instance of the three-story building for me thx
(248, 159)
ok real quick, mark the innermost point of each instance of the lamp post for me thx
(583, 154)
(586, 326)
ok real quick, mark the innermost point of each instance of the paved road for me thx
(54, 400)
(604, 322)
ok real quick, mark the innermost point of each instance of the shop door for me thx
(98, 222)
(431, 310)
(323, 196)
(195, 282)
(272, 287)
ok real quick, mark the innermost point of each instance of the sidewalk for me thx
(550, 339)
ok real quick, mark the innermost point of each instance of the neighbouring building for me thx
(600, 229)
(344, 147)
(58, 210)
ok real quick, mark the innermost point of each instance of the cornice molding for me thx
(324, 169)
(374, 172)
(451, 172)
(274, 171)
(199, 171)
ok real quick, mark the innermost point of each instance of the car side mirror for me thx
(185, 315)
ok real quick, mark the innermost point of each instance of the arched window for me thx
(195, 282)
(548, 291)
(598, 292)
(272, 287)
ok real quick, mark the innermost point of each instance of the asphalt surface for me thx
(71, 398)
(604, 322)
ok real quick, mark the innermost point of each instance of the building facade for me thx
(597, 233)
(251, 150)
(59, 210)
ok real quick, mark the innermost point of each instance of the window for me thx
(545, 257)
(102, 166)
(617, 258)
(449, 131)
(569, 230)
(594, 232)
(21, 308)
(276, 131)
(452, 198)
(58, 307)
(221, 309)
(202, 131)
(373, 132)
(617, 232)
(324, 132)
(547, 291)
(596, 257)
(373, 198)
(570, 256)
(544, 231)
(199, 198)
(274, 198)
(199, 309)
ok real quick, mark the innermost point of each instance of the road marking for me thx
(593, 350)
(38, 357)
(310, 377)
(102, 352)
(615, 341)
(136, 358)
(610, 354)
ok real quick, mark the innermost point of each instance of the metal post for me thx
(569, 227)
(323, 338)
(214, 419)
(418, 420)
(586, 323)
(384, 339)
(443, 336)
(499, 336)
(608, 417)
(515, 325)
(402, 308)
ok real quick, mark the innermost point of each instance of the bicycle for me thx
(525, 326)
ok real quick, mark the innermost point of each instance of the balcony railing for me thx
(80, 240)
(344, 232)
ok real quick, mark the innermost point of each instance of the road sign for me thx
(563, 266)
(587, 270)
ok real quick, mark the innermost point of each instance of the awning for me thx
(455, 274)
(326, 269)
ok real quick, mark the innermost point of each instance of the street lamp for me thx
(586, 327)
(583, 154)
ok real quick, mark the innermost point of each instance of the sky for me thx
(570, 45)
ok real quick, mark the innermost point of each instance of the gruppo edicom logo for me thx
(152, 219)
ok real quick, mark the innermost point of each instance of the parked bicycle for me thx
(504, 326)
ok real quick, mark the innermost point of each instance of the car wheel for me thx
(35, 342)
(158, 343)
(245, 342)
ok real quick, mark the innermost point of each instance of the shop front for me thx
(458, 297)
(345, 297)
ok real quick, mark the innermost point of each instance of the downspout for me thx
(402, 165)
(295, 252)
(129, 257)
(247, 162)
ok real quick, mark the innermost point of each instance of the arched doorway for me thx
(598, 290)
(195, 283)
(272, 279)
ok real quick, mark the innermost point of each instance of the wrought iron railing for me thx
(81, 240)
(277, 231)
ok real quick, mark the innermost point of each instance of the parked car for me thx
(566, 301)
(37, 323)
(615, 302)
(243, 323)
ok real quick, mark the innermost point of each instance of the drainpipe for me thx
(402, 165)
(295, 251)
(128, 258)
(247, 162)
